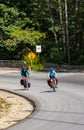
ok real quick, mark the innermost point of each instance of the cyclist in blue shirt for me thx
(52, 74)
(24, 72)
(25, 75)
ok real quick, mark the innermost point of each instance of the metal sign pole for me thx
(38, 50)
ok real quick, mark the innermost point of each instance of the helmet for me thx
(51, 69)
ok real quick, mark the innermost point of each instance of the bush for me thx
(80, 60)
(34, 64)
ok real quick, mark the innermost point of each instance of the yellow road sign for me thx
(31, 55)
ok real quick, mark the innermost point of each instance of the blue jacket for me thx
(52, 74)
(24, 72)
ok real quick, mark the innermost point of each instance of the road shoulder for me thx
(20, 109)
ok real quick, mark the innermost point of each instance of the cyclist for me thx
(52, 74)
(25, 75)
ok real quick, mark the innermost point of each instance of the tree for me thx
(62, 27)
(67, 32)
(52, 20)
(13, 26)
(25, 23)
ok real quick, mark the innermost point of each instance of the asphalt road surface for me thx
(60, 110)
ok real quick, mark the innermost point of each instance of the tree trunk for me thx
(62, 28)
(75, 21)
(67, 32)
(52, 21)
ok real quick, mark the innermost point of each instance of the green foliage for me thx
(79, 60)
(24, 24)
(28, 35)
(13, 30)
(56, 56)
(33, 63)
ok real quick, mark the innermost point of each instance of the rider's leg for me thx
(25, 78)
(26, 82)
(54, 81)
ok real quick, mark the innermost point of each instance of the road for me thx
(60, 110)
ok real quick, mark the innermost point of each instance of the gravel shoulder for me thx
(19, 109)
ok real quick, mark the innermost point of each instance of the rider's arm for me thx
(55, 75)
(28, 73)
(48, 74)
(21, 73)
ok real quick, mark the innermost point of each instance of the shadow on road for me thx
(20, 89)
(47, 91)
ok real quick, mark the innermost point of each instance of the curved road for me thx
(60, 110)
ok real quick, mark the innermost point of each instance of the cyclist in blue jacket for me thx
(25, 75)
(24, 72)
(52, 74)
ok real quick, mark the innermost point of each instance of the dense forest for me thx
(56, 25)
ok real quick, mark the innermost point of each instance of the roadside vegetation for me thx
(4, 105)
(56, 25)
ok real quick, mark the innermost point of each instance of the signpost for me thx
(38, 50)
(31, 56)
